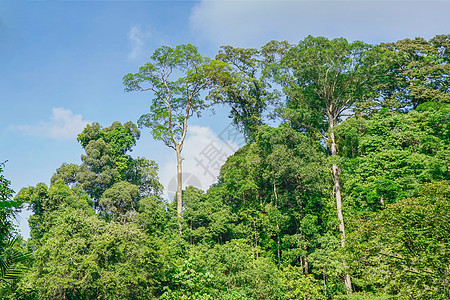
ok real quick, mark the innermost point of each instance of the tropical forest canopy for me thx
(347, 198)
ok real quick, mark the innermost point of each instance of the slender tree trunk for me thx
(337, 190)
(179, 187)
(278, 246)
(301, 266)
(256, 236)
(278, 226)
(305, 262)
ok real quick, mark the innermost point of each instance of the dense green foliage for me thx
(404, 249)
(175, 100)
(364, 137)
(408, 73)
(6, 203)
(79, 256)
(13, 257)
(390, 155)
(244, 88)
(106, 162)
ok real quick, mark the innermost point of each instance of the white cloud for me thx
(253, 23)
(63, 124)
(138, 39)
(204, 153)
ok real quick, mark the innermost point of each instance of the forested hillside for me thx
(348, 197)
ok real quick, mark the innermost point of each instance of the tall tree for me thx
(175, 101)
(323, 79)
(107, 162)
(407, 73)
(244, 89)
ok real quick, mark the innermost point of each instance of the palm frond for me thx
(12, 261)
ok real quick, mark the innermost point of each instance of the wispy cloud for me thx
(138, 39)
(63, 124)
(253, 23)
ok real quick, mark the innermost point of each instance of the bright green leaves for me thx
(322, 78)
(177, 57)
(244, 88)
(425, 130)
(394, 167)
(91, 132)
(144, 173)
(113, 179)
(394, 154)
(67, 173)
(121, 138)
(107, 147)
(6, 193)
(407, 73)
(206, 217)
(152, 217)
(120, 201)
(14, 260)
(233, 270)
(43, 199)
(267, 229)
(83, 257)
(391, 175)
(80, 255)
(404, 249)
(107, 162)
(175, 100)
(46, 202)
(299, 286)
(275, 189)
(188, 281)
(326, 263)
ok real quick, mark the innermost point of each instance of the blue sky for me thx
(62, 63)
